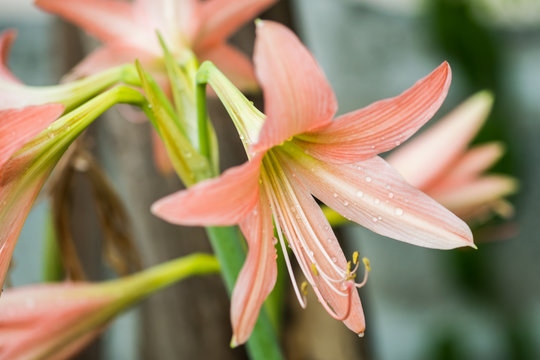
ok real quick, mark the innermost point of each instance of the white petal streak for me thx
(374, 195)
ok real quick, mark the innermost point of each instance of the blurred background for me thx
(419, 303)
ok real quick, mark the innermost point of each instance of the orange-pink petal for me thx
(220, 18)
(18, 126)
(425, 157)
(234, 64)
(38, 320)
(110, 21)
(382, 125)
(109, 56)
(373, 194)
(15, 208)
(7, 38)
(467, 167)
(258, 275)
(297, 96)
(225, 200)
(476, 192)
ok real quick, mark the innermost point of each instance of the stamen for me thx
(304, 290)
(355, 257)
(273, 204)
(314, 269)
(367, 269)
(331, 311)
(290, 191)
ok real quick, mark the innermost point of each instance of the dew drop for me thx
(399, 211)
(380, 217)
(376, 201)
(335, 195)
(329, 240)
(387, 187)
(326, 227)
(359, 193)
(391, 195)
(368, 179)
(274, 240)
(334, 259)
(346, 203)
(311, 253)
(374, 219)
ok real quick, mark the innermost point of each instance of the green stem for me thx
(202, 122)
(53, 269)
(75, 93)
(155, 278)
(227, 243)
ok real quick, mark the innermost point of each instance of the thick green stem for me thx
(227, 244)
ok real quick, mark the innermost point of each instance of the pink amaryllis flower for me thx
(298, 152)
(129, 31)
(455, 176)
(54, 321)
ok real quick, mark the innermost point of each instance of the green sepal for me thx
(187, 162)
(183, 88)
(245, 116)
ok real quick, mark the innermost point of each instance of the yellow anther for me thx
(365, 260)
(303, 288)
(349, 266)
(355, 257)
(314, 269)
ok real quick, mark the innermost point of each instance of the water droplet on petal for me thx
(329, 240)
(326, 227)
(334, 259)
(376, 201)
(274, 240)
(368, 179)
(359, 193)
(335, 195)
(346, 203)
(391, 195)
(399, 211)
(374, 219)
